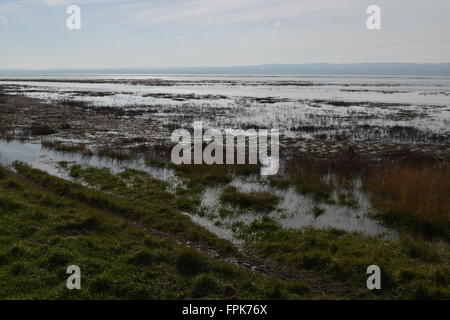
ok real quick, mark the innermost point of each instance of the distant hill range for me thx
(354, 69)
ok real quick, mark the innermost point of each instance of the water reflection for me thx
(293, 211)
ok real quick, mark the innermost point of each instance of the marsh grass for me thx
(43, 233)
(204, 175)
(74, 103)
(410, 194)
(112, 153)
(66, 147)
(75, 223)
(412, 197)
(132, 195)
(318, 211)
(39, 129)
(319, 178)
(3, 98)
(257, 201)
(410, 268)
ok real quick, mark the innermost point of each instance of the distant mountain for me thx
(370, 69)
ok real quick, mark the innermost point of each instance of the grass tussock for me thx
(66, 147)
(108, 152)
(39, 129)
(204, 174)
(257, 201)
(3, 98)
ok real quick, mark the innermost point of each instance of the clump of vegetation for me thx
(3, 98)
(204, 174)
(101, 179)
(412, 197)
(65, 147)
(2, 173)
(257, 201)
(347, 199)
(279, 182)
(190, 262)
(309, 180)
(74, 103)
(318, 211)
(244, 169)
(107, 152)
(148, 257)
(205, 285)
(318, 178)
(39, 129)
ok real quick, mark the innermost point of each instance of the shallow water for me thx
(421, 90)
(377, 103)
(48, 160)
(293, 211)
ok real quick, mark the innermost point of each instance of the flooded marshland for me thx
(374, 117)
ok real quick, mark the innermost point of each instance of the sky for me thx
(177, 33)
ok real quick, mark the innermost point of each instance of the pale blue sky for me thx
(164, 33)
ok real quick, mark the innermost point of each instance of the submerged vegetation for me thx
(410, 195)
(108, 152)
(67, 147)
(257, 201)
(206, 175)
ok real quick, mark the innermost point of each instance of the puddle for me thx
(293, 211)
(47, 160)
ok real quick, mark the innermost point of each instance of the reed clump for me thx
(412, 196)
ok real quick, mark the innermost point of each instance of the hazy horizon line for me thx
(228, 66)
(322, 68)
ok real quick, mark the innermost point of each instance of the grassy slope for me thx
(42, 234)
(411, 269)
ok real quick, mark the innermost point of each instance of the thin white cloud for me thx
(3, 20)
(204, 12)
(223, 32)
(17, 4)
(53, 3)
